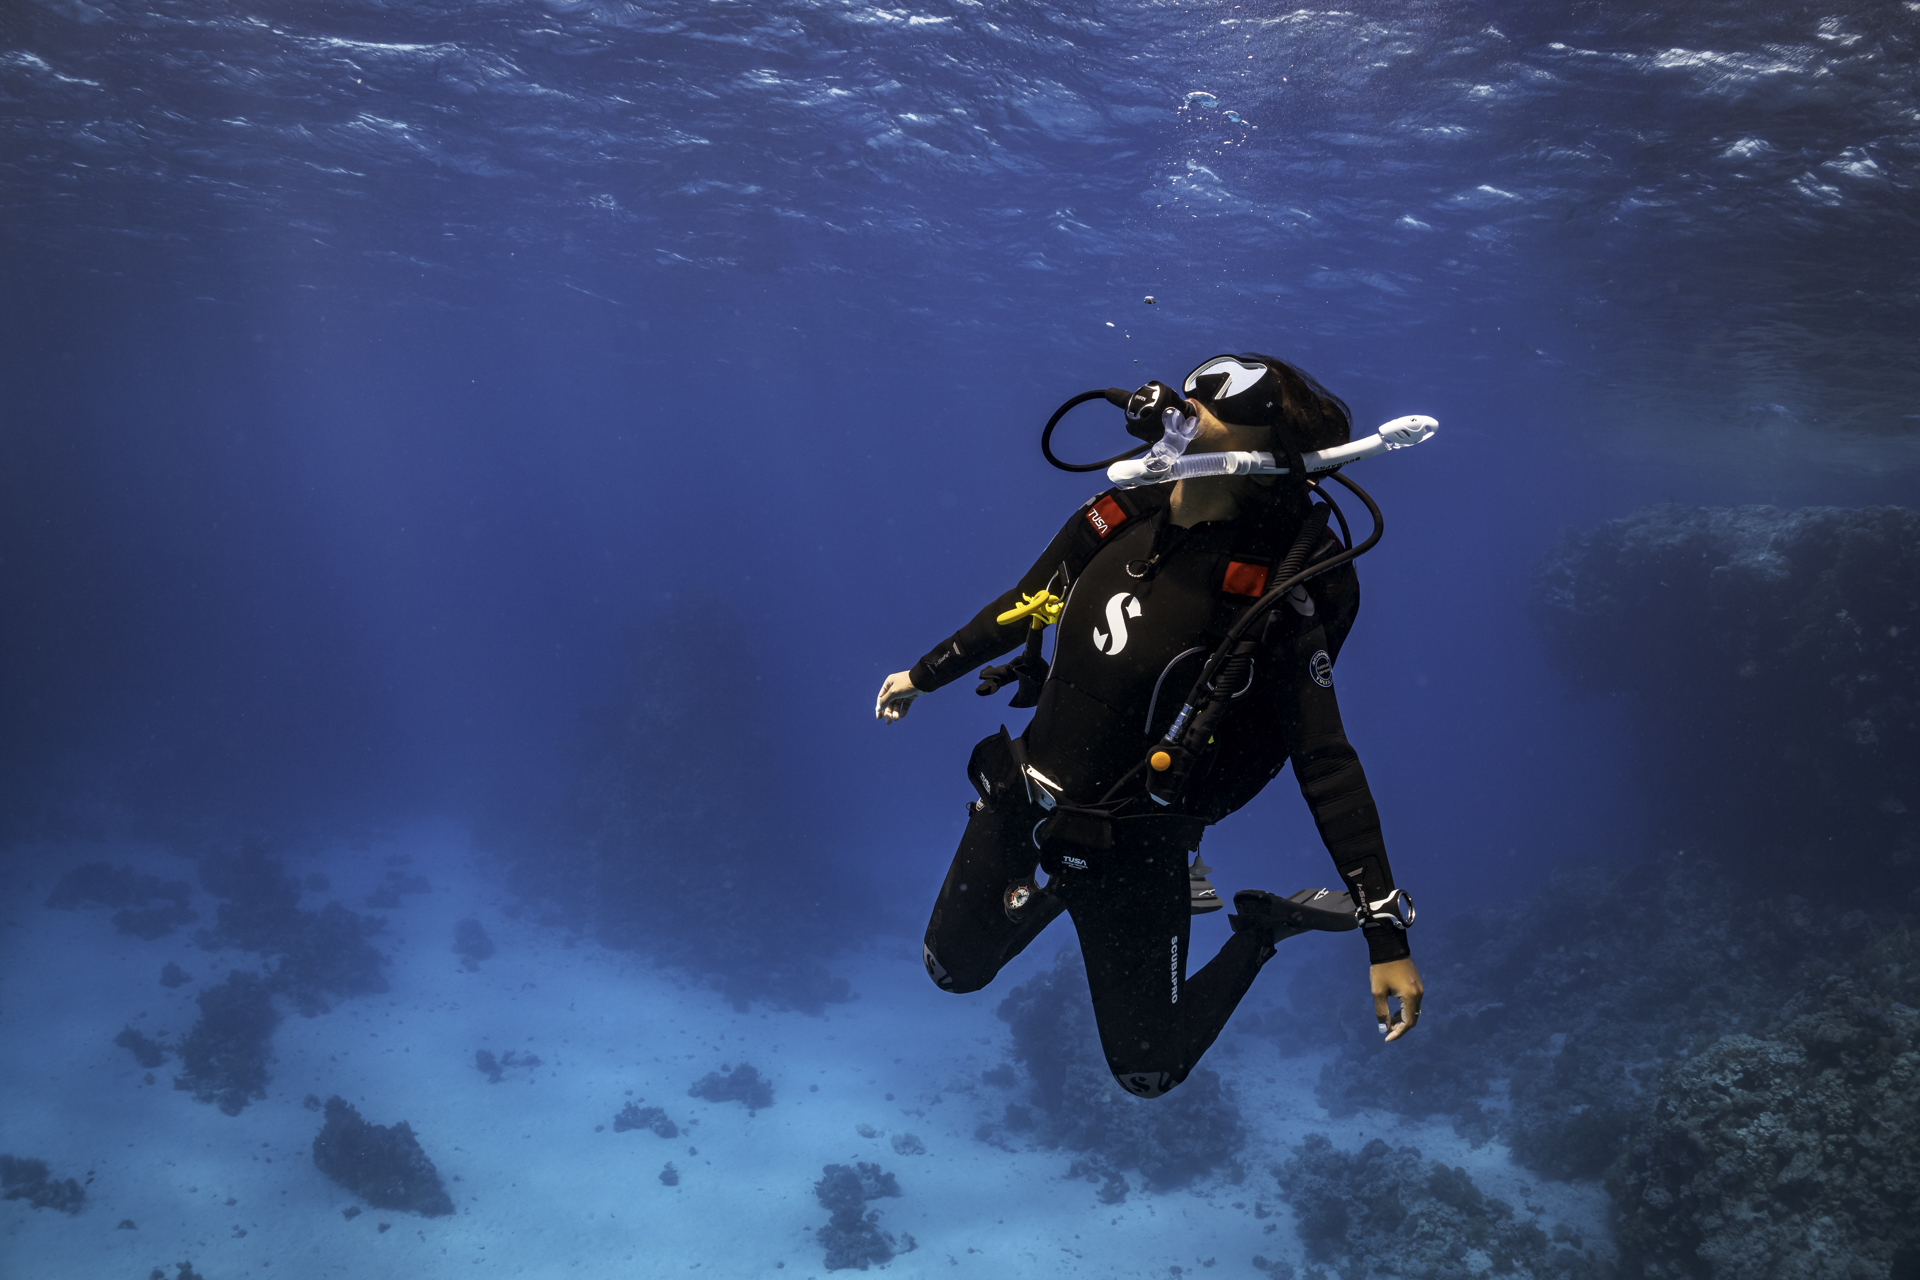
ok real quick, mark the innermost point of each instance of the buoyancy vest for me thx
(1141, 616)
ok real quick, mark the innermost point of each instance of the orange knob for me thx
(1160, 761)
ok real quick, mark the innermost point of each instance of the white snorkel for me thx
(1167, 461)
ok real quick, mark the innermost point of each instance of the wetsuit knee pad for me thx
(946, 979)
(1147, 1084)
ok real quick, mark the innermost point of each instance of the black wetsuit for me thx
(1148, 602)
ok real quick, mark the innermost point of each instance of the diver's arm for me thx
(981, 640)
(1335, 789)
(985, 638)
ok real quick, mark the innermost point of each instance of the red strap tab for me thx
(1245, 579)
(1105, 516)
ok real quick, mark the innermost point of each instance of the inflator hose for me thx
(1259, 608)
(1202, 687)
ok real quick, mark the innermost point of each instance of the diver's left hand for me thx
(1396, 978)
(896, 695)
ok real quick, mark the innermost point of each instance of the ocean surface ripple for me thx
(1715, 192)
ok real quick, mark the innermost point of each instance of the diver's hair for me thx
(1314, 417)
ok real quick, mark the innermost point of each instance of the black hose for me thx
(1204, 707)
(1273, 597)
(1046, 436)
(1346, 534)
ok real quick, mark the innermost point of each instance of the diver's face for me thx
(1215, 436)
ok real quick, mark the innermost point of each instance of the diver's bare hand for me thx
(1396, 978)
(896, 695)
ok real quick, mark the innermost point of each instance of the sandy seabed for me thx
(542, 1184)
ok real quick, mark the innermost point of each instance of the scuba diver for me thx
(1198, 609)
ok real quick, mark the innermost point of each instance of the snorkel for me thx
(1249, 390)
(1167, 460)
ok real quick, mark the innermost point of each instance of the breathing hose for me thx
(1173, 759)
(1112, 395)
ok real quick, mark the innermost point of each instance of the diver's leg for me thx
(971, 935)
(1213, 994)
(1133, 922)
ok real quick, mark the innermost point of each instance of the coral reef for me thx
(740, 1084)
(493, 1067)
(1381, 1211)
(148, 907)
(1794, 1154)
(172, 975)
(670, 1176)
(1575, 995)
(23, 1178)
(146, 1051)
(1747, 1083)
(635, 1116)
(183, 1271)
(1775, 656)
(224, 1057)
(382, 1164)
(319, 953)
(852, 1237)
(1194, 1131)
(471, 944)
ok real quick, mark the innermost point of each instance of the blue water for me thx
(388, 387)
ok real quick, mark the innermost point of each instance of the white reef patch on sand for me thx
(542, 1184)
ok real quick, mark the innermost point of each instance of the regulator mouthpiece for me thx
(1176, 433)
(1147, 408)
(1131, 473)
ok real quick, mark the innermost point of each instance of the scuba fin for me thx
(1323, 910)
(1202, 897)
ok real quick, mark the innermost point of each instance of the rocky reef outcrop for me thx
(472, 944)
(852, 1238)
(382, 1164)
(224, 1057)
(1389, 1212)
(317, 954)
(146, 906)
(1793, 1154)
(635, 1116)
(1072, 1103)
(1775, 659)
(1746, 1084)
(24, 1178)
(742, 1084)
(1574, 997)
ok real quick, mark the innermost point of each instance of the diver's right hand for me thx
(896, 695)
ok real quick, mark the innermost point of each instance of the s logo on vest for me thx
(1320, 667)
(1114, 639)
